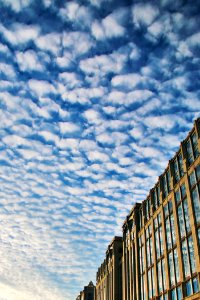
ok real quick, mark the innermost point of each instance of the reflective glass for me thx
(192, 178)
(163, 273)
(170, 206)
(171, 269)
(196, 202)
(195, 144)
(178, 196)
(191, 252)
(149, 283)
(189, 152)
(180, 164)
(198, 172)
(168, 233)
(185, 259)
(160, 289)
(188, 288)
(181, 221)
(179, 293)
(199, 236)
(176, 264)
(172, 230)
(183, 190)
(195, 285)
(173, 294)
(176, 170)
(161, 241)
(186, 214)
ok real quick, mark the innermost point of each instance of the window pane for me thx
(186, 214)
(161, 240)
(173, 294)
(195, 198)
(176, 263)
(179, 293)
(189, 152)
(195, 285)
(163, 273)
(178, 196)
(160, 289)
(180, 164)
(188, 288)
(168, 233)
(172, 229)
(183, 190)
(198, 172)
(192, 178)
(149, 283)
(185, 259)
(191, 251)
(171, 269)
(181, 221)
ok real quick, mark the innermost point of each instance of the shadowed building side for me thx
(109, 275)
(88, 293)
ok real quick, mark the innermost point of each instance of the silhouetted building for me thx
(109, 275)
(88, 293)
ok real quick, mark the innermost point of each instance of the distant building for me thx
(88, 293)
(109, 275)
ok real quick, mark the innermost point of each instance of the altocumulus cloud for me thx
(95, 97)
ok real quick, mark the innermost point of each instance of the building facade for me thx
(109, 275)
(161, 235)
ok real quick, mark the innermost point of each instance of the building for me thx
(109, 275)
(88, 293)
(161, 235)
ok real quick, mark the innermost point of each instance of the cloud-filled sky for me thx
(95, 97)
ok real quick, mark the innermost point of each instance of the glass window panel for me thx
(172, 229)
(186, 214)
(185, 259)
(179, 293)
(176, 170)
(157, 244)
(171, 269)
(173, 294)
(188, 288)
(166, 210)
(195, 198)
(159, 219)
(149, 283)
(191, 252)
(195, 285)
(198, 172)
(153, 283)
(163, 273)
(168, 233)
(161, 240)
(176, 263)
(199, 236)
(192, 178)
(183, 190)
(180, 164)
(168, 181)
(195, 145)
(181, 221)
(160, 288)
(170, 207)
(189, 152)
(178, 196)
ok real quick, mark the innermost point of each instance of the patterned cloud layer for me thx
(95, 97)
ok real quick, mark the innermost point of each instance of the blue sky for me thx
(95, 97)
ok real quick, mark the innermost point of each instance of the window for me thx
(166, 183)
(192, 148)
(178, 167)
(142, 268)
(194, 180)
(156, 197)
(150, 265)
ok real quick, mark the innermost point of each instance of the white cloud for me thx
(127, 81)
(20, 33)
(93, 116)
(7, 70)
(28, 61)
(144, 14)
(41, 87)
(68, 127)
(50, 42)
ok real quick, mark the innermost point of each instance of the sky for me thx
(95, 98)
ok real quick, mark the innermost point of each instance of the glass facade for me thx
(161, 236)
